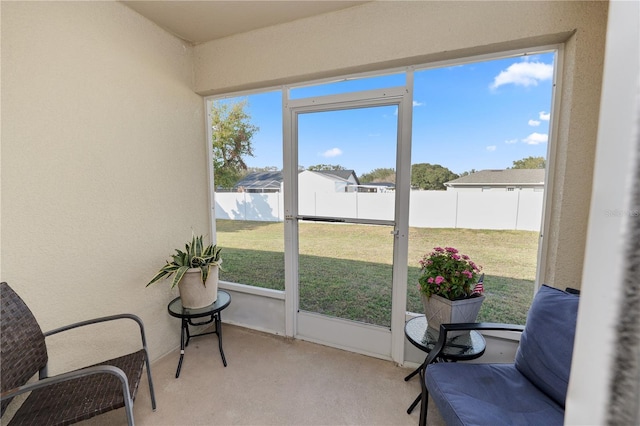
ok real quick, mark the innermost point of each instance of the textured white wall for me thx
(104, 168)
(380, 35)
(592, 366)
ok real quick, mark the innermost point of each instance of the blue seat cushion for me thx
(489, 394)
(546, 345)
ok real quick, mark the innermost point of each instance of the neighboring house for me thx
(316, 180)
(348, 176)
(328, 181)
(260, 182)
(377, 187)
(500, 180)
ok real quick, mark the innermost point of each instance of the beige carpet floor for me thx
(271, 380)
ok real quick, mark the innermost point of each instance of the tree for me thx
(530, 163)
(430, 176)
(319, 167)
(231, 138)
(467, 173)
(379, 175)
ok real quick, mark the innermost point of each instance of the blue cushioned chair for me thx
(531, 391)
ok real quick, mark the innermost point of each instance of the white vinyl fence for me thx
(517, 210)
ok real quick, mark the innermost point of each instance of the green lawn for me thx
(345, 270)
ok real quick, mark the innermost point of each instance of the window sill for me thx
(249, 289)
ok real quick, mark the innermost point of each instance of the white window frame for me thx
(551, 145)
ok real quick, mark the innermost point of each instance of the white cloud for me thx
(491, 148)
(511, 141)
(530, 58)
(534, 123)
(536, 139)
(544, 115)
(333, 152)
(523, 74)
(416, 103)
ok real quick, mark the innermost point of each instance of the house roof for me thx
(380, 184)
(261, 180)
(342, 174)
(501, 177)
(273, 179)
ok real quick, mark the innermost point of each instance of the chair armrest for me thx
(43, 373)
(99, 320)
(98, 369)
(477, 326)
(96, 321)
(83, 372)
(482, 326)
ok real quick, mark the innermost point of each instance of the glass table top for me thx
(466, 345)
(177, 310)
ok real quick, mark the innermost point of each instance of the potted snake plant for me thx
(195, 272)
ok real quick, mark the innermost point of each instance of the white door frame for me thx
(370, 340)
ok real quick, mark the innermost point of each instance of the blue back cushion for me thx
(546, 345)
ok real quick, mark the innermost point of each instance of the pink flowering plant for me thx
(449, 274)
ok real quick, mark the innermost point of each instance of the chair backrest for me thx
(546, 345)
(22, 347)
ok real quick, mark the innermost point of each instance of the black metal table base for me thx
(414, 403)
(458, 348)
(419, 397)
(416, 371)
(216, 319)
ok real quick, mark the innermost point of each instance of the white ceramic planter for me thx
(195, 295)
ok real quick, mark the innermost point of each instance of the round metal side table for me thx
(467, 346)
(209, 314)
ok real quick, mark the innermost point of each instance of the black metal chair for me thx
(69, 397)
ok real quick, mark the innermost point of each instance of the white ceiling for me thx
(201, 21)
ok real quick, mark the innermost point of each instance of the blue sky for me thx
(482, 115)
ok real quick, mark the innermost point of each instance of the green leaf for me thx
(205, 274)
(157, 277)
(198, 246)
(179, 274)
